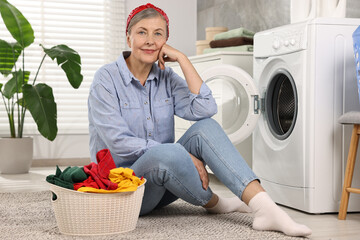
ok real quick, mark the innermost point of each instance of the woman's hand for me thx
(203, 174)
(168, 54)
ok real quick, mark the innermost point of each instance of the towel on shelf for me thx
(232, 42)
(243, 48)
(237, 32)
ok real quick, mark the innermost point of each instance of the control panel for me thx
(281, 40)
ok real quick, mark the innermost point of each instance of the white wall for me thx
(65, 146)
(182, 21)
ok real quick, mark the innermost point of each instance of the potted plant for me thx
(21, 92)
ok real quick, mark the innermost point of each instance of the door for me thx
(237, 98)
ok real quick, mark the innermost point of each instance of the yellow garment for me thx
(125, 179)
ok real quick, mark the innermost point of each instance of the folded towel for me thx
(238, 32)
(243, 48)
(231, 42)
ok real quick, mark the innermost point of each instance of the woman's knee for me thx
(166, 162)
(207, 124)
(169, 156)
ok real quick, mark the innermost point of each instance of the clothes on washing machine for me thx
(236, 41)
(244, 48)
(237, 32)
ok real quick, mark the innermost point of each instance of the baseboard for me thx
(60, 162)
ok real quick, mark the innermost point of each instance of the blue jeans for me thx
(171, 174)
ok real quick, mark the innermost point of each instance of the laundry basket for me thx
(80, 213)
(356, 41)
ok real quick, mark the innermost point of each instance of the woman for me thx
(132, 103)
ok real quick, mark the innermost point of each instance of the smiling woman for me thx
(145, 39)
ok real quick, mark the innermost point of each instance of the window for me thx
(94, 28)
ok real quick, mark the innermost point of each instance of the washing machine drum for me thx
(237, 98)
(281, 104)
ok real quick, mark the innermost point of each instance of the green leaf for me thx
(40, 101)
(21, 102)
(0, 86)
(14, 85)
(17, 24)
(70, 62)
(9, 53)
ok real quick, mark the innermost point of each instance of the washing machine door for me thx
(237, 98)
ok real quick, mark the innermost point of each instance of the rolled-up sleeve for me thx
(192, 106)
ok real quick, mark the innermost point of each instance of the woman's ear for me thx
(128, 40)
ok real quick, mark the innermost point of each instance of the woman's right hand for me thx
(203, 174)
(168, 54)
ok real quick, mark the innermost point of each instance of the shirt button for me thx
(148, 118)
(145, 103)
(149, 134)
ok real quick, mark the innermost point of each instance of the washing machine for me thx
(306, 78)
(229, 76)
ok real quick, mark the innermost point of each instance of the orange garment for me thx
(123, 177)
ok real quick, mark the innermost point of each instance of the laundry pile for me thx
(239, 39)
(102, 177)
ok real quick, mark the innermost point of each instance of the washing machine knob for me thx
(292, 41)
(276, 44)
(286, 43)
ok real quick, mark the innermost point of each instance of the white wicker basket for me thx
(79, 213)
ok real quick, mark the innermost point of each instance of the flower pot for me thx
(16, 155)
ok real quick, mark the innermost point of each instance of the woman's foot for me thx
(269, 216)
(227, 205)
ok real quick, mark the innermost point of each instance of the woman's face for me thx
(146, 39)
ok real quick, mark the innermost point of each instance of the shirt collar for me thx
(127, 76)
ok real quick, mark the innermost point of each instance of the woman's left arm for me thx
(170, 54)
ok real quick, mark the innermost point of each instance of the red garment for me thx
(89, 182)
(99, 173)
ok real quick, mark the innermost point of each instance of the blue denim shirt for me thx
(128, 118)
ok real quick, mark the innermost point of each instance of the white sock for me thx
(227, 205)
(269, 216)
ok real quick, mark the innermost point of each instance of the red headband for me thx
(143, 7)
